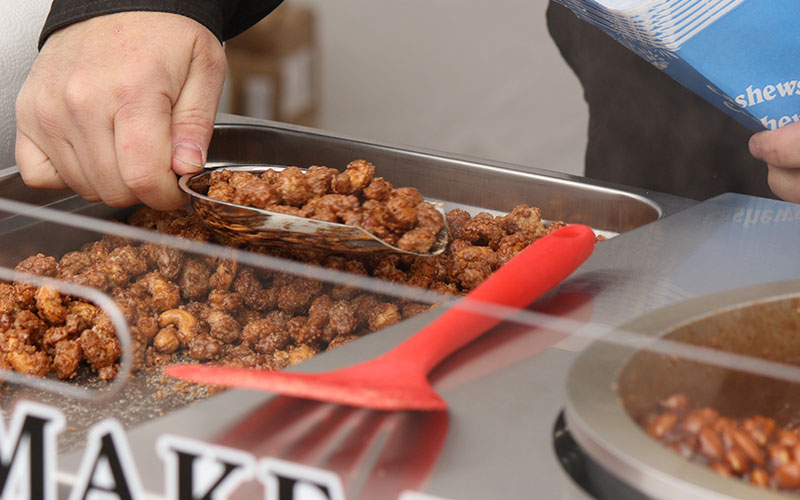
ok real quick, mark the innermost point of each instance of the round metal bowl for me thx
(611, 387)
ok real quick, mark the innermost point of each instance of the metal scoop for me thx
(243, 224)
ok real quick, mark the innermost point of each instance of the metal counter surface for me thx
(498, 441)
(507, 389)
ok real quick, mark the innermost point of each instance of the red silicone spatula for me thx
(398, 379)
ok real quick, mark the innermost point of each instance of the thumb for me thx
(196, 107)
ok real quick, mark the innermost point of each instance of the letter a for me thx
(107, 465)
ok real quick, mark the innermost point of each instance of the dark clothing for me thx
(647, 130)
(224, 18)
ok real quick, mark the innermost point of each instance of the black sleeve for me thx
(224, 18)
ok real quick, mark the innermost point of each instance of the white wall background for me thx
(473, 77)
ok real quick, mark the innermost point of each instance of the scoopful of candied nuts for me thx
(356, 197)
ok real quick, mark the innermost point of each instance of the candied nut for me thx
(84, 313)
(68, 356)
(319, 179)
(710, 444)
(259, 194)
(204, 347)
(267, 334)
(429, 218)
(165, 294)
(722, 469)
(340, 341)
(342, 318)
(470, 266)
(787, 438)
(248, 287)
(483, 230)
(194, 279)
(24, 358)
(130, 259)
(693, 424)
(456, 219)
(417, 240)
(422, 272)
(737, 461)
(378, 189)
(300, 353)
(25, 295)
(239, 179)
(166, 340)
(72, 264)
(146, 327)
(384, 315)
(38, 264)
(744, 442)
(676, 402)
(93, 277)
(186, 324)
(167, 260)
(273, 342)
(319, 311)
(778, 454)
(662, 425)
(29, 326)
(523, 218)
(788, 475)
(759, 477)
(760, 428)
(297, 293)
(50, 303)
(361, 173)
(400, 214)
(99, 349)
(117, 275)
(223, 276)
(225, 301)
(292, 187)
(223, 326)
(723, 423)
(302, 332)
(222, 192)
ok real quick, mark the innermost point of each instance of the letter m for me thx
(28, 452)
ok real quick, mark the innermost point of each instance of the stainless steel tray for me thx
(455, 181)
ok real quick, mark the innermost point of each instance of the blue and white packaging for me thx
(743, 56)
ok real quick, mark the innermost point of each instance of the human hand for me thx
(780, 149)
(116, 106)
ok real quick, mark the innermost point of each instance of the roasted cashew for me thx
(186, 323)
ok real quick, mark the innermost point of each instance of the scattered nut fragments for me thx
(754, 449)
(398, 216)
(216, 310)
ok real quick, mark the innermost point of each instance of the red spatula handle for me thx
(523, 279)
